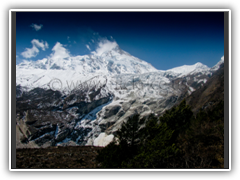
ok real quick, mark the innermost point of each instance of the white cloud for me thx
(92, 40)
(30, 52)
(33, 52)
(105, 46)
(36, 27)
(88, 47)
(39, 44)
(59, 52)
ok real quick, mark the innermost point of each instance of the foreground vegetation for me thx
(178, 139)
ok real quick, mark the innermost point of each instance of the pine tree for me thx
(118, 153)
(161, 149)
(130, 131)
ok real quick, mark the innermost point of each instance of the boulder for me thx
(103, 139)
(111, 111)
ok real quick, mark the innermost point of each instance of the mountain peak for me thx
(200, 65)
(105, 46)
(216, 67)
(186, 69)
(108, 58)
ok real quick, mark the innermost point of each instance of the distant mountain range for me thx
(83, 100)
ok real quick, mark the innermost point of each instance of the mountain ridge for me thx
(93, 103)
(95, 60)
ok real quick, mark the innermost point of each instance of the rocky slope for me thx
(210, 94)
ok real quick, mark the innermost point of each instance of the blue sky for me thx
(164, 39)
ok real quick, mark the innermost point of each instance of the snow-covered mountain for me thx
(216, 67)
(85, 99)
(108, 60)
(113, 61)
(189, 69)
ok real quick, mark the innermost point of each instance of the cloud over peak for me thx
(59, 52)
(104, 46)
(36, 27)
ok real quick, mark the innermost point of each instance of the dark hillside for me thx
(189, 135)
(210, 94)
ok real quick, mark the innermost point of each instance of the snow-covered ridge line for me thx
(61, 71)
(216, 67)
(187, 69)
(106, 60)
